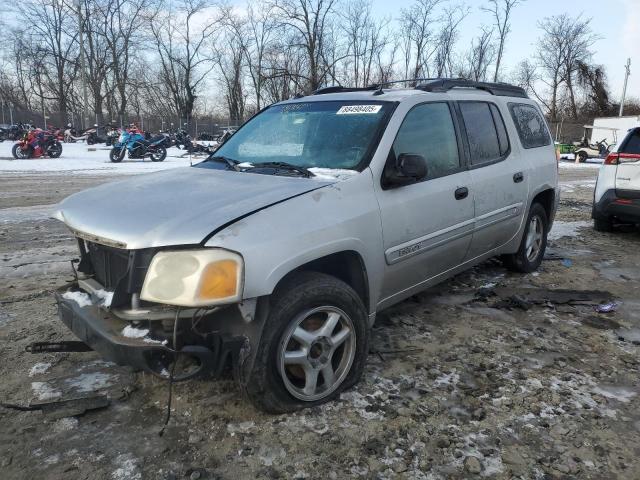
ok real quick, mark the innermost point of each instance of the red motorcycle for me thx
(37, 143)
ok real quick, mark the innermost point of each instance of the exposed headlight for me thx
(194, 278)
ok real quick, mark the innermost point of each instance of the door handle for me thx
(518, 177)
(461, 193)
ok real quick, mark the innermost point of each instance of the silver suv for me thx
(272, 257)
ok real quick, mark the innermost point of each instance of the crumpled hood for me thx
(181, 206)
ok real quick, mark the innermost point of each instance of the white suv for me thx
(617, 193)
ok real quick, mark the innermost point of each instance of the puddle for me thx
(562, 229)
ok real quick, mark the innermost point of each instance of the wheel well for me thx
(546, 198)
(347, 266)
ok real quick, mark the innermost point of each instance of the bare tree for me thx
(578, 40)
(417, 24)
(183, 43)
(452, 17)
(479, 56)
(310, 20)
(551, 56)
(501, 11)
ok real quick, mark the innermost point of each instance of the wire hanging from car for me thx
(171, 372)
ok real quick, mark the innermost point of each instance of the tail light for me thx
(617, 158)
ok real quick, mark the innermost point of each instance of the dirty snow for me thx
(105, 297)
(591, 163)
(44, 391)
(332, 173)
(127, 468)
(90, 382)
(39, 369)
(566, 229)
(81, 298)
(132, 332)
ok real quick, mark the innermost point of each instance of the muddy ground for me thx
(470, 379)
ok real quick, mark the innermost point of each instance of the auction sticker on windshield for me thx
(357, 109)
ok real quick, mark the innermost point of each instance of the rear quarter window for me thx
(632, 145)
(531, 126)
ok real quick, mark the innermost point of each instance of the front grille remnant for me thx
(110, 265)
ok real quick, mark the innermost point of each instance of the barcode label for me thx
(358, 109)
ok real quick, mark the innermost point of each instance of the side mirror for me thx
(409, 168)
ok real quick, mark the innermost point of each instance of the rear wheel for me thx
(55, 150)
(534, 242)
(159, 154)
(314, 346)
(582, 157)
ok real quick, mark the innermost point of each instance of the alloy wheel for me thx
(316, 352)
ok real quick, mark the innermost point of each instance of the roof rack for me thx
(434, 85)
(498, 89)
(374, 86)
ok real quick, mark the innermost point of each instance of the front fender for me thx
(278, 239)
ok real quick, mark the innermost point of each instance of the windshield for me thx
(315, 134)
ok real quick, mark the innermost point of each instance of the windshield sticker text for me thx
(358, 109)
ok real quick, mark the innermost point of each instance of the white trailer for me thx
(613, 128)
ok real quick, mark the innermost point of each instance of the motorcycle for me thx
(135, 144)
(37, 143)
(90, 135)
(112, 136)
(13, 132)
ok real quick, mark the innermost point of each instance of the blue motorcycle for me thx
(135, 143)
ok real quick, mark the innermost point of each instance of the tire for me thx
(20, 154)
(309, 301)
(159, 154)
(582, 157)
(526, 260)
(116, 154)
(602, 224)
(55, 150)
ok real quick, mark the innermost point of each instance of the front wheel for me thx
(534, 242)
(159, 154)
(314, 347)
(19, 153)
(55, 150)
(117, 154)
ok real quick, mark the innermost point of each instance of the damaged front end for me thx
(103, 307)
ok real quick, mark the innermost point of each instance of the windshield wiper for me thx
(233, 164)
(285, 166)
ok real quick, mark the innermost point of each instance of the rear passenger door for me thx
(498, 176)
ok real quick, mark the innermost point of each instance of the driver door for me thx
(427, 226)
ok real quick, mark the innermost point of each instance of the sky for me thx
(616, 21)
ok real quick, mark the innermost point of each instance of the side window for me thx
(428, 130)
(503, 138)
(532, 129)
(482, 133)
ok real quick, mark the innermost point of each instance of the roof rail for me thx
(340, 89)
(498, 89)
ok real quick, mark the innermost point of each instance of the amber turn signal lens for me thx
(219, 280)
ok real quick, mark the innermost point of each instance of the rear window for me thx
(532, 128)
(632, 145)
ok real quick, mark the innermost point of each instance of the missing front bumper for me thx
(102, 331)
